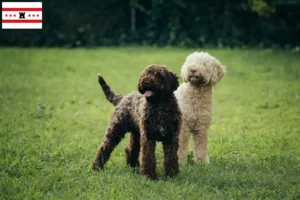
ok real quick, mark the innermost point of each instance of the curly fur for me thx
(151, 115)
(200, 72)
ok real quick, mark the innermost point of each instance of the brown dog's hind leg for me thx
(133, 150)
(114, 134)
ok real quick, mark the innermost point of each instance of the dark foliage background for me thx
(190, 23)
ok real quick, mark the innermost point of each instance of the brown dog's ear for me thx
(173, 80)
(218, 73)
(140, 86)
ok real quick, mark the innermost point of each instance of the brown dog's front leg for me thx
(148, 164)
(170, 157)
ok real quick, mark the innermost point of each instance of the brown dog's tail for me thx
(109, 94)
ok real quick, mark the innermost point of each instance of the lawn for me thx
(54, 114)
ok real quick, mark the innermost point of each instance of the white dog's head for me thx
(201, 68)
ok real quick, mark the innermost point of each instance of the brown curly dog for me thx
(151, 115)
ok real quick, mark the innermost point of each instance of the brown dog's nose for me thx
(193, 71)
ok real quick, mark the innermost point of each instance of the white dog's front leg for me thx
(200, 138)
(183, 144)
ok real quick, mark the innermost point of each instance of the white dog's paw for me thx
(182, 161)
(203, 160)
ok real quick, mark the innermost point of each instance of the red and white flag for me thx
(22, 15)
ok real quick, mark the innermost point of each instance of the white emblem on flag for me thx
(22, 15)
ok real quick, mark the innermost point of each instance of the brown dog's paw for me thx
(127, 155)
(150, 177)
(148, 173)
(129, 161)
(96, 166)
(172, 173)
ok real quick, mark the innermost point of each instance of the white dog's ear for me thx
(184, 79)
(218, 73)
(184, 72)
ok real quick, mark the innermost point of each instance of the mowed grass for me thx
(54, 115)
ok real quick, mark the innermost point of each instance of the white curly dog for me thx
(200, 72)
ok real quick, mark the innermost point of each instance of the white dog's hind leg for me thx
(200, 138)
(183, 144)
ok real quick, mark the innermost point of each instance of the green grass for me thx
(53, 117)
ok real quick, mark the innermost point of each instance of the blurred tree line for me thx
(191, 23)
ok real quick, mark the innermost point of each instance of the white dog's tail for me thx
(109, 94)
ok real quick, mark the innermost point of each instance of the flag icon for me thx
(22, 15)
